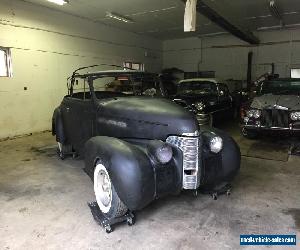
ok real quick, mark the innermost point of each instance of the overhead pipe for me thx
(249, 70)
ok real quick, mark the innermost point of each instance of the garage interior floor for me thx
(43, 205)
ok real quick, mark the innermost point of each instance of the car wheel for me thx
(63, 150)
(249, 134)
(106, 196)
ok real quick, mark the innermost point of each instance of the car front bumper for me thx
(289, 130)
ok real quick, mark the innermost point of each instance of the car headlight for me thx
(216, 144)
(199, 106)
(160, 151)
(253, 113)
(295, 116)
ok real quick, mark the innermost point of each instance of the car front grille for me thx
(190, 147)
(203, 119)
(275, 118)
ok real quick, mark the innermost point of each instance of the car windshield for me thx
(197, 87)
(278, 87)
(131, 85)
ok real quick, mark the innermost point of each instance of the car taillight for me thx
(242, 112)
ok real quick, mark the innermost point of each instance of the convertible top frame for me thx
(91, 76)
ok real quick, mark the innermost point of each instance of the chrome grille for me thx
(275, 118)
(190, 149)
(203, 119)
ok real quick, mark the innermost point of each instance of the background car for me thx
(208, 98)
(276, 108)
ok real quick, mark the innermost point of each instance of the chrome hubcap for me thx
(104, 187)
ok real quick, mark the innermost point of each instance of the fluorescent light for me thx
(118, 17)
(59, 2)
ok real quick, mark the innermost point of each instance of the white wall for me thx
(46, 47)
(227, 55)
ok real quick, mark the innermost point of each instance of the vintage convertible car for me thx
(275, 109)
(209, 99)
(138, 146)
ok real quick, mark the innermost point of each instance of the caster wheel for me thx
(108, 229)
(61, 155)
(228, 192)
(195, 193)
(130, 222)
(215, 196)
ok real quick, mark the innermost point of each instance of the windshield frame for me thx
(90, 77)
(212, 83)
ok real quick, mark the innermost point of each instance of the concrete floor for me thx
(43, 205)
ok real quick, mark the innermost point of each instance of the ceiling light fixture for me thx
(59, 2)
(118, 17)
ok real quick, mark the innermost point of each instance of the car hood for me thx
(143, 117)
(291, 102)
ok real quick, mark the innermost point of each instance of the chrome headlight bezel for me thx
(164, 154)
(255, 113)
(295, 115)
(199, 106)
(161, 152)
(216, 144)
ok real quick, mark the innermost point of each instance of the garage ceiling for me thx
(163, 19)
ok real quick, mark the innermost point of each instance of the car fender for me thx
(129, 168)
(57, 126)
(230, 155)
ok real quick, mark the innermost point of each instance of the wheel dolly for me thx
(219, 190)
(106, 223)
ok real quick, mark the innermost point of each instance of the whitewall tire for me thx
(106, 196)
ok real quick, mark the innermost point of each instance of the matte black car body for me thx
(121, 130)
(275, 107)
(216, 106)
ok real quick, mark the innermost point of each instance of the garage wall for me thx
(227, 55)
(46, 47)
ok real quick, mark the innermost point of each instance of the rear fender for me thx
(57, 126)
(129, 168)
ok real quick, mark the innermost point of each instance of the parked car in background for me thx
(137, 145)
(208, 98)
(275, 109)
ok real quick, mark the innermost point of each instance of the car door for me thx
(78, 119)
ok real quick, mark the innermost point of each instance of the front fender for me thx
(231, 157)
(129, 168)
(226, 163)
